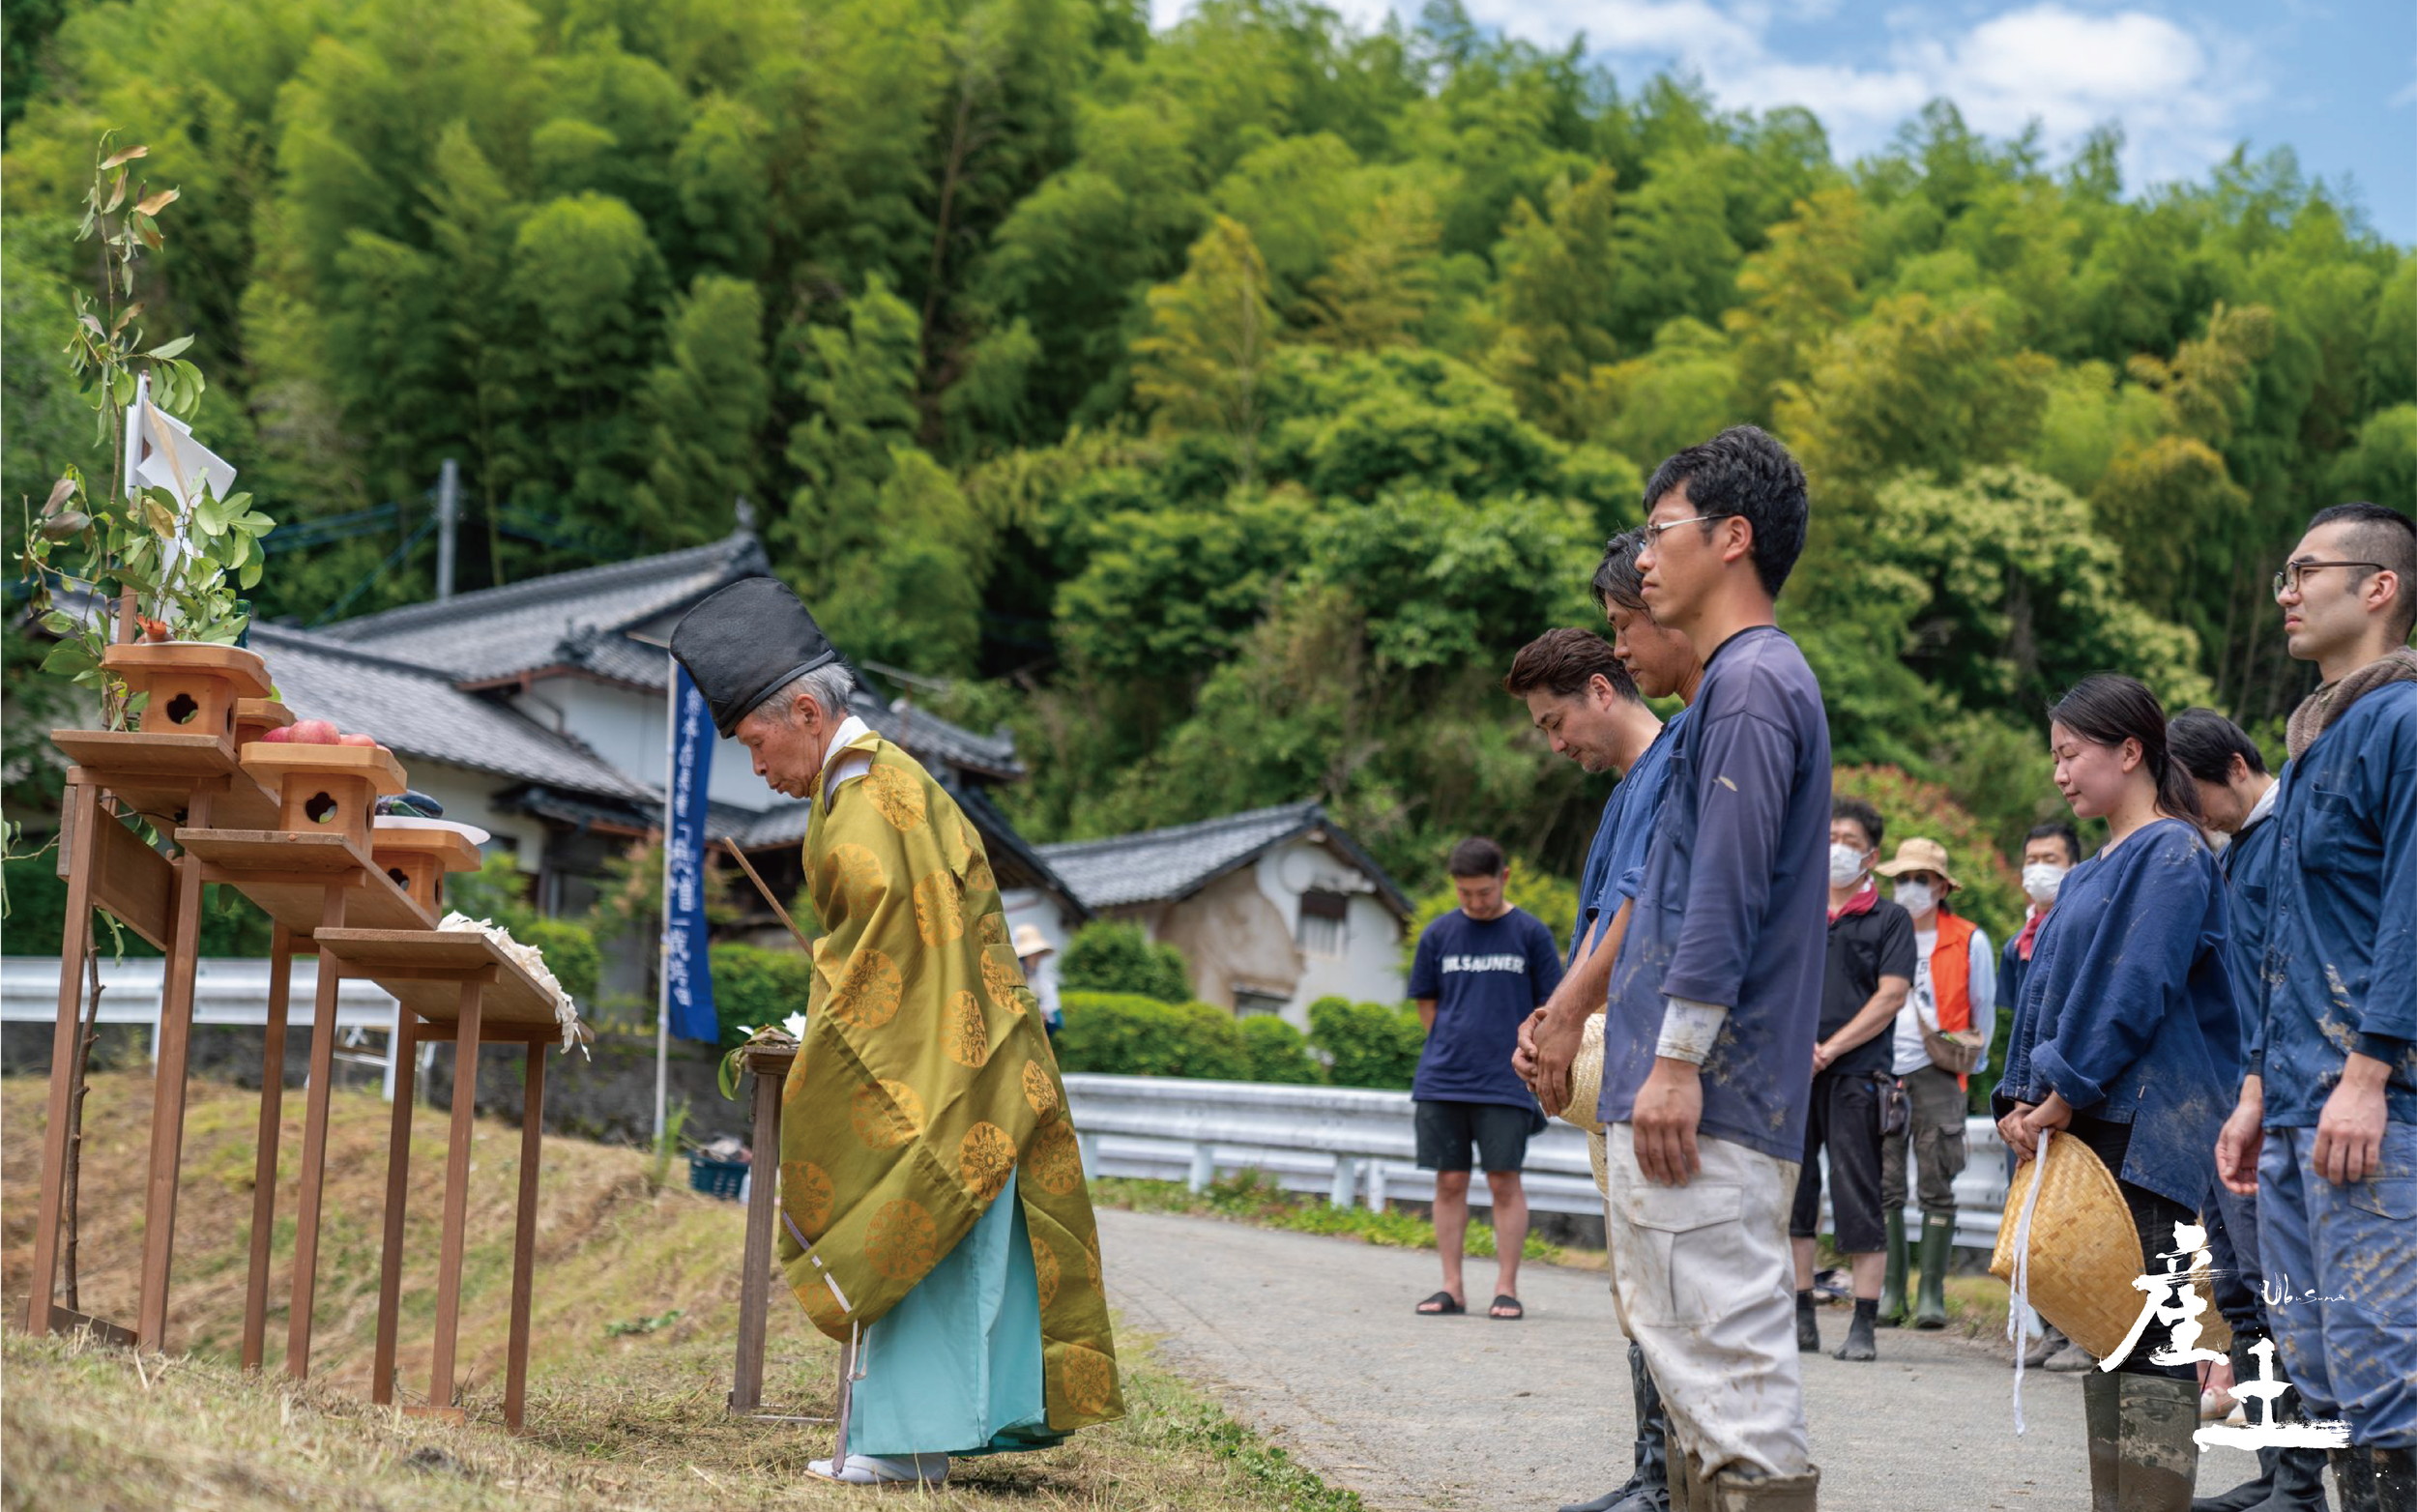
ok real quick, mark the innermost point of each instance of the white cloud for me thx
(2179, 91)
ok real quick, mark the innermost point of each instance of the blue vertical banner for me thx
(689, 980)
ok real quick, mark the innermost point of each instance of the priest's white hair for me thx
(830, 686)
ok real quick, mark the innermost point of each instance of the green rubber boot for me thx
(1938, 1243)
(1892, 1280)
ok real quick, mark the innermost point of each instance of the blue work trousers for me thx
(2341, 1274)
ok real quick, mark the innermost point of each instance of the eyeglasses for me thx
(1654, 533)
(2292, 571)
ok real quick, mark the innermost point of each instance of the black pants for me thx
(1844, 1118)
(2154, 1214)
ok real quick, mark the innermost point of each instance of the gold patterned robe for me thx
(924, 1079)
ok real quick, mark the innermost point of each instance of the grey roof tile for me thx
(496, 633)
(417, 712)
(1160, 866)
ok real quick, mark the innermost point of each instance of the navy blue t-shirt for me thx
(1485, 979)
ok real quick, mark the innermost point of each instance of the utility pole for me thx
(447, 518)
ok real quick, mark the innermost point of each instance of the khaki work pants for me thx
(1934, 1127)
(1701, 1276)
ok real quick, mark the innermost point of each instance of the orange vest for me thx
(1951, 975)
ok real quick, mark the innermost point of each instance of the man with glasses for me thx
(2325, 1131)
(1708, 1050)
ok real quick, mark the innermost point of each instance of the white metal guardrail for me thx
(225, 991)
(1357, 1146)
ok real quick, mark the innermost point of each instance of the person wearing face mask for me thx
(2049, 851)
(2236, 797)
(1867, 977)
(2127, 1039)
(2325, 1129)
(1955, 993)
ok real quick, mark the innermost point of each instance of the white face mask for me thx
(2040, 881)
(1916, 897)
(1846, 864)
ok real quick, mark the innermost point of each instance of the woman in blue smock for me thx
(2126, 1038)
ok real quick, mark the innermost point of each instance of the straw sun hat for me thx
(1919, 855)
(1585, 1079)
(2085, 1252)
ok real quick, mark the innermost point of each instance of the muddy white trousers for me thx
(1701, 1275)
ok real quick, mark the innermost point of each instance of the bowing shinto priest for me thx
(934, 1216)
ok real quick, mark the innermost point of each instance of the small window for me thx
(1324, 922)
(1250, 1004)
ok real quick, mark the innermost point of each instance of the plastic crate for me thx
(717, 1178)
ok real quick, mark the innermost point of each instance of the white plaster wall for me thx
(1369, 968)
(625, 727)
(469, 798)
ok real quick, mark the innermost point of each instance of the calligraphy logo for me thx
(2172, 1302)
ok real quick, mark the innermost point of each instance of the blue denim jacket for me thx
(2128, 1009)
(2341, 955)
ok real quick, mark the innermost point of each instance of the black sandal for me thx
(1440, 1305)
(1515, 1312)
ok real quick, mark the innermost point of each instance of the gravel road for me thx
(1313, 1342)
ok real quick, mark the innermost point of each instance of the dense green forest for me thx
(1219, 407)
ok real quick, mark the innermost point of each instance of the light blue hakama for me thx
(955, 1368)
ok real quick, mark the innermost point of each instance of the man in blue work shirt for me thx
(2236, 799)
(1708, 1051)
(1479, 970)
(1662, 663)
(2325, 1133)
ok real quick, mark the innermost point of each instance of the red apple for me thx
(311, 732)
(278, 735)
(356, 740)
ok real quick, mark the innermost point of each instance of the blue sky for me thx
(2334, 80)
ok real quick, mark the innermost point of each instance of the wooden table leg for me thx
(457, 1197)
(755, 1280)
(82, 815)
(168, 1100)
(314, 1150)
(264, 1161)
(404, 1046)
(525, 1235)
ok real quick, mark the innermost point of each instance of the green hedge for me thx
(1127, 1035)
(753, 987)
(1107, 956)
(1366, 1044)
(1277, 1052)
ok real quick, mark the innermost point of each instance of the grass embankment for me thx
(635, 1311)
(1976, 1304)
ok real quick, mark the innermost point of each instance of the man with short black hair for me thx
(1584, 703)
(1707, 1053)
(1480, 969)
(2325, 1131)
(2236, 799)
(1868, 973)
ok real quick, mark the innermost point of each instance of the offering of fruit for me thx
(356, 740)
(311, 732)
(278, 735)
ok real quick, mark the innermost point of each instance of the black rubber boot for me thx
(2249, 1494)
(1892, 1312)
(2396, 1477)
(1938, 1243)
(1859, 1345)
(1808, 1327)
(2354, 1479)
(2299, 1483)
(2101, 1400)
(2289, 1480)
(2157, 1417)
(1649, 1488)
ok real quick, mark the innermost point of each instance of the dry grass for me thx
(618, 1419)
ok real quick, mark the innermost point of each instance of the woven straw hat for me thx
(1585, 1079)
(2085, 1251)
(1599, 1155)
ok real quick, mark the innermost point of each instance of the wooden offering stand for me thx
(456, 985)
(292, 829)
(768, 1062)
(178, 767)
